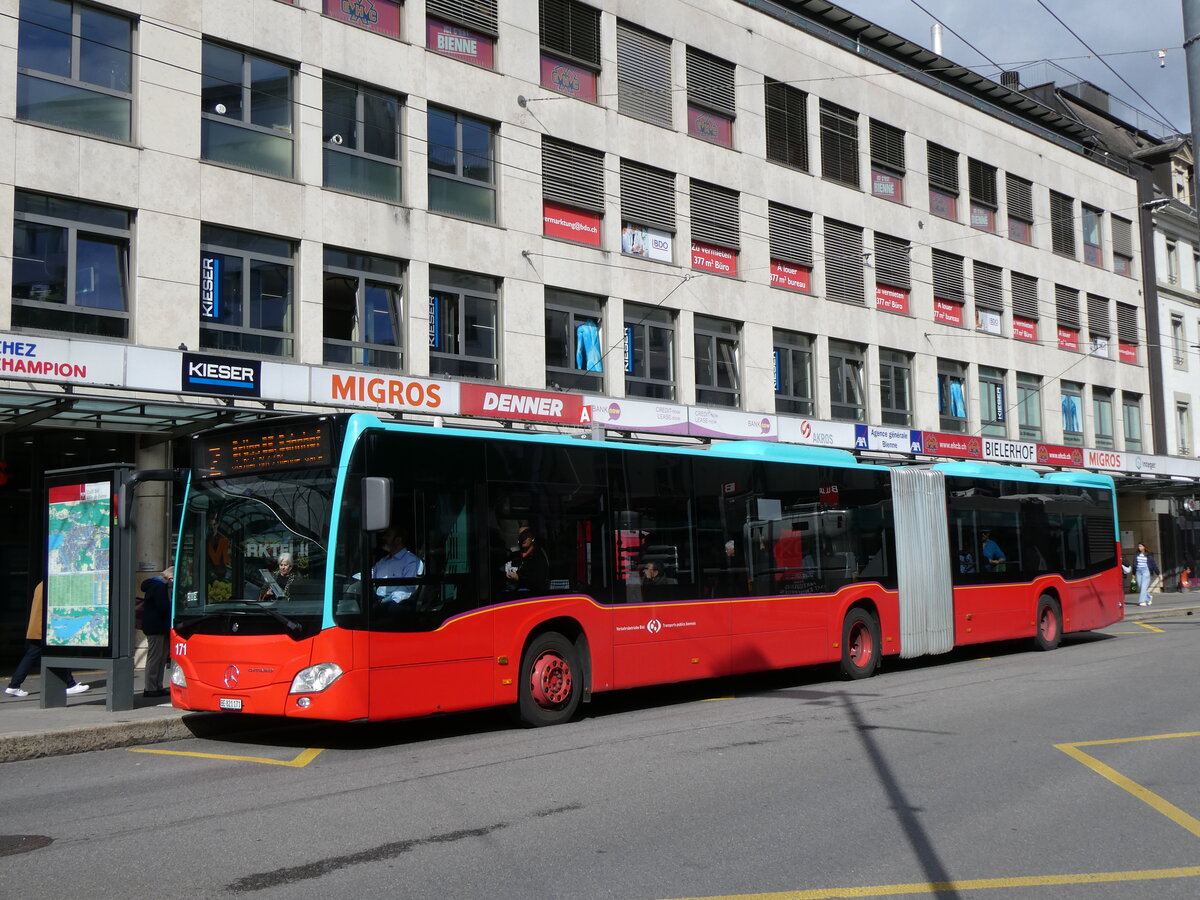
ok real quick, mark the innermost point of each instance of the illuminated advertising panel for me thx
(79, 572)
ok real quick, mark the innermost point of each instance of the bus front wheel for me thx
(1049, 623)
(551, 681)
(860, 644)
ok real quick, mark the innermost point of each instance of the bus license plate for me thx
(230, 703)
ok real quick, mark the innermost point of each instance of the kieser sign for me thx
(221, 375)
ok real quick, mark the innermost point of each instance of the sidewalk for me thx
(27, 731)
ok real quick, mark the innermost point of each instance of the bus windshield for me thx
(255, 543)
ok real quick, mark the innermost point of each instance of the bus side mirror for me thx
(376, 503)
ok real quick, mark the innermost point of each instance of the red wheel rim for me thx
(1048, 624)
(861, 646)
(550, 680)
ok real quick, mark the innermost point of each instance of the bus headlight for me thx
(316, 678)
(177, 677)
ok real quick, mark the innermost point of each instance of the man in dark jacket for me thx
(156, 624)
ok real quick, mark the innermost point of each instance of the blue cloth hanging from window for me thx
(958, 403)
(587, 346)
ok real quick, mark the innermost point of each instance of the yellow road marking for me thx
(971, 884)
(712, 699)
(305, 757)
(1170, 810)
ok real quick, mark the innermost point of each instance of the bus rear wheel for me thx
(860, 644)
(551, 681)
(1049, 623)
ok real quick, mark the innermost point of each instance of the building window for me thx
(246, 292)
(1029, 406)
(1062, 224)
(574, 352)
(361, 131)
(1072, 413)
(1183, 428)
(847, 387)
(793, 373)
(791, 248)
(1099, 330)
(1122, 236)
(718, 377)
(649, 352)
(570, 61)
(643, 75)
(1066, 305)
(993, 402)
(989, 297)
(1131, 421)
(949, 292)
(463, 29)
(1172, 263)
(1019, 194)
(887, 162)
(362, 310)
(787, 125)
(1178, 343)
(844, 278)
(943, 182)
(893, 273)
(647, 211)
(70, 266)
(246, 111)
(1026, 311)
(572, 192)
(711, 107)
(74, 68)
(1127, 333)
(952, 395)
(895, 388)
(981, 180)
(1092, 219)
(715, 229)
(463, 324)
(462, 178)
(839, 144)
(1102, 418)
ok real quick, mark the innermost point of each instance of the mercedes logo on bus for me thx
(231, 676)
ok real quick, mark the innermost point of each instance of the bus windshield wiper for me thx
(292, 628)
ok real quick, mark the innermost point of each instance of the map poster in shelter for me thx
(79, 540)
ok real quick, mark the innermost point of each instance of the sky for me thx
(1017, 34)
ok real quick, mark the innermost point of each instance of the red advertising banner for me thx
(565, 78)
(791, 277)
(528, 406)
(710, 126)
(570, 224)
(1128, 353)
(938, 443)
(889, 187)
(459, 43)
(710, 258)
(1068, 339)
(1024, 329)
(380, 16)
(1058, 455)
(947, 311)
(891, 299)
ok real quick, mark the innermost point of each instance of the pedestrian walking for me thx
(33, 652)
(1145, 568)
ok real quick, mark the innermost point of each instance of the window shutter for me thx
(787, 124)
(892, 265)
(844, 262)
(647, 196)
(887, 146)
(1098, 315)
(1020, 198)
(710, 82)
(839, 143)
(643, 75)
(982, 180)
(1066, 305)
(1024, 296)
(715, 215)
(1062, 223)
(989, 292)
(791, 235)
(572, 175)
(571, 29)
(1122, 236)
(948, 279)
(478, 15)
(1127, 328)
(943, 169)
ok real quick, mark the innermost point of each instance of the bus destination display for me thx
(244, 453)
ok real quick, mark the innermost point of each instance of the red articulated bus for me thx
(532, 570)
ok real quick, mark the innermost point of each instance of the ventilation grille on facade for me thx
(647, 196)
(643, 75)
(948, 278)
(479, 15)
(572, 175)
(843, 262)
(989, 290)
(710, 82)
(715, 215)
(791, 234)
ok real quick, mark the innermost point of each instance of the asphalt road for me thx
(970, 775)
